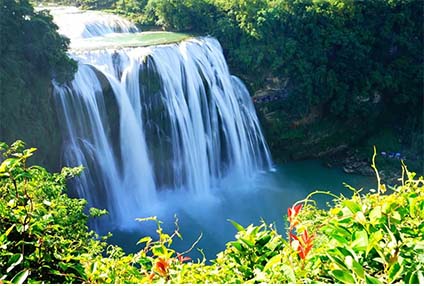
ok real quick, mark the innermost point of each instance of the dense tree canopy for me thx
(358, 63)
(29, 41)
(31, 54)
(346, 52)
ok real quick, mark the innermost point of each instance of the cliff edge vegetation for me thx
(32, 53)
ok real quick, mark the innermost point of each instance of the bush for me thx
(373, 238)
(377, 237)
(176, 15)
(31, 43)
(43, 232)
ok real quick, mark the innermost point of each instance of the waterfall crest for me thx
(76, 24)
(154, 119)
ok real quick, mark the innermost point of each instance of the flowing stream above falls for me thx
(145, 121)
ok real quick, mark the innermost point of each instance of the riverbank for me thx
(345, 144)
(356, 161)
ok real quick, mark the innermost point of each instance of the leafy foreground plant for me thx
(43, 232)
(371, 238)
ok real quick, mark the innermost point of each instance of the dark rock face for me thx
(273, 89)
(352, 163)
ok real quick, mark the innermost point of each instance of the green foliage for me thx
(43, 232)
(184, 15)
(357, 61)
(377, 237)
(31, 54)
(371, 238)
(30, 42)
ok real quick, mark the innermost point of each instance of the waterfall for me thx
(77, 24)
(146, 120)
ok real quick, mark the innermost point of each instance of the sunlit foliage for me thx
(376, 237)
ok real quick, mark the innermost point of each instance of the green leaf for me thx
(360, 242)
(372, 280)
(236, 225)
(20, 277)
(413, 278)
(55, 272)
(336, 260)
(9, 229)
(28, 152)
(340, 239)
(64, 266)
(252, 230)
(338, 231)
(93, 267)
(3, 146)
(78, 268)
(352, 206)
(15, 260)
(273, 261)
(394, 272)
(264, 240)
(159, 250)
(412, 203)
(248, 242)
(374, 240)
(357, 268)
(396, 216)
(8, 164)
(237, 245)
(145, 239)
(375, 215)
(343, 276)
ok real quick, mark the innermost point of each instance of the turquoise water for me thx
(266, 196)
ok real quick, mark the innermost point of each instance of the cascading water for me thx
(150, 120)
(77, 24)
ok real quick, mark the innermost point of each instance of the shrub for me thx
(43, 232)
(377, 237)
(372, 238)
